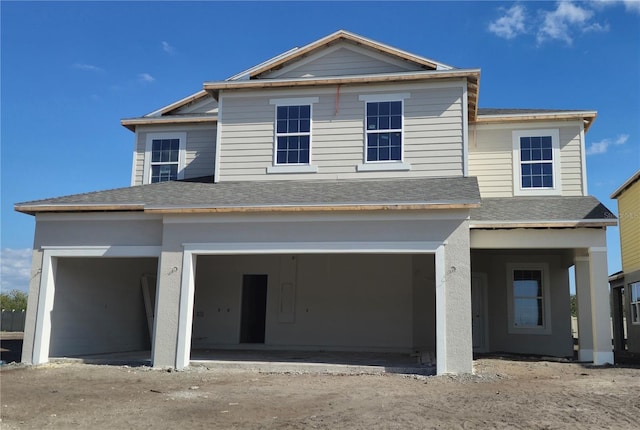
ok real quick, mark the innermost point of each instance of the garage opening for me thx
(99, 307)
(254, 308)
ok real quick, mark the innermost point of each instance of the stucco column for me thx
(600, 310)
(32, 308)
(165, 330)
(454, 345)
(583, 297)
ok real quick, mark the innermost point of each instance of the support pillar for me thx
(583, 297)
(165, 331)
(600, 310)
(454, 344)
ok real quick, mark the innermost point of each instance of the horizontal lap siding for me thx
(432, 134)
(629, 215)
(490, 159)
(199, 150)
(338, 63)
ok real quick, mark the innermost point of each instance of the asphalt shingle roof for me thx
(547, 208)
(187, 194)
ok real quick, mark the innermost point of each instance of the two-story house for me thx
(625, 285)
(346, 195)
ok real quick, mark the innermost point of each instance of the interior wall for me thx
(424, 303)
(98, 306)
(559, 342)
(345, 301)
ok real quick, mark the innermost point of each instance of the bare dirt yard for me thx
(505, 393)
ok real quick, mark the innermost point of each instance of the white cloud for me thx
(15, 269)
(559, 23)
(602, 146)
(87, 67)
(632, 5)
(166, 47)
(511, 24)
(146, 78)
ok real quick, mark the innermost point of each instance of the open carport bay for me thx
(99, 307)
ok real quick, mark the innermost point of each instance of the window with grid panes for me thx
(384, 131)
(293, 134)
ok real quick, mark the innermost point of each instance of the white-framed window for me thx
(292, 136)
(164, 157)
(635, 302)
(536, 162)
(528, 294)
(383, 132)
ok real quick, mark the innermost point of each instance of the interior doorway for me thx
(254, 308)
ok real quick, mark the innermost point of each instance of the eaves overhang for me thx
(501, 225)
(588, 117)
(629, 182)
(132, 123)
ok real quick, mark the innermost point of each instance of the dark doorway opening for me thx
(254, 308)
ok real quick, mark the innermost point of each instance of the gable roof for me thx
(629, 182)
(296, 54)
(271, 196)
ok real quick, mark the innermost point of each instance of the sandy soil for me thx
(504, 393)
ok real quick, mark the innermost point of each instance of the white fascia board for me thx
(233, 248)
(540, 114)
(541, 223)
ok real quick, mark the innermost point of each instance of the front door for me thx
(478, 309)
(254, 308)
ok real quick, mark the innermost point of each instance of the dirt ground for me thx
(505, 393)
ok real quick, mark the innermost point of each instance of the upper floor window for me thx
(384, 132)
(164, 157)
(536, 159)
(292, 137)
(293, 134)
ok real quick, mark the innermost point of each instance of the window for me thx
(528, 292)
(384, 131)
(164, 157)
(293, 134)
(635, 302)
(536, 156)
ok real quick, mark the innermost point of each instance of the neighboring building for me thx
(625, 285)
(346, 195)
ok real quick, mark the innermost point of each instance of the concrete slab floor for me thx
(268, 361)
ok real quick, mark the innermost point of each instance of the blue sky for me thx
(70, 71)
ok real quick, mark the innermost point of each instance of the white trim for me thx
(555, 163)
(550, 114)
(394, 97)
(465, 130)
(546, 299)
(449, 214)
(583, 161)
(133, 160)
(382, 166)
(441, 312)
(218, 149)
(234, 248)
(527, 124)
(181, 136)
(46, 294)
(594, 249)
(534, 223)
(292, 101)
(294, 168)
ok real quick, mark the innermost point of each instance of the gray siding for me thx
(342, 61)
(200, 149)
(490, 158)
(432, 133)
